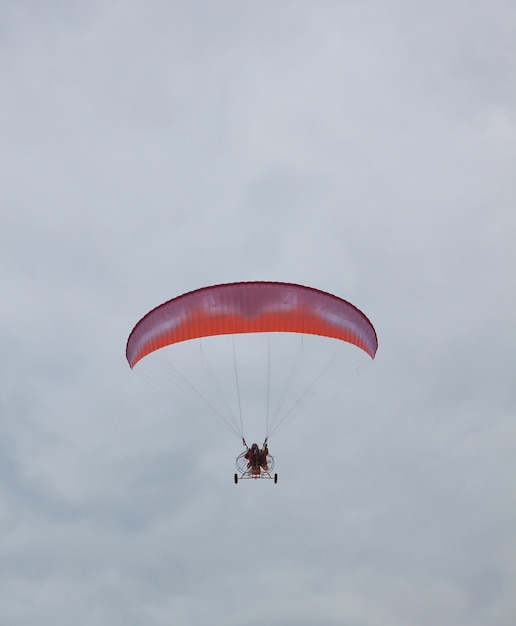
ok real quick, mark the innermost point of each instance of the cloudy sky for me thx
(364, 148)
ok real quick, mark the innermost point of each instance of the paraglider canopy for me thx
(250, 307)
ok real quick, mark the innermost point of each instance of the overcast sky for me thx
(364, 148)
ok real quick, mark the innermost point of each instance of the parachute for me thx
(250, 309)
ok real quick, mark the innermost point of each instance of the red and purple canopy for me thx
(250, 307)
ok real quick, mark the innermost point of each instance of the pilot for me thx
(257, 457)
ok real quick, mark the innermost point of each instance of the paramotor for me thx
(249, 309)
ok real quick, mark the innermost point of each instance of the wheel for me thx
(275, 478)
(236, 478)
